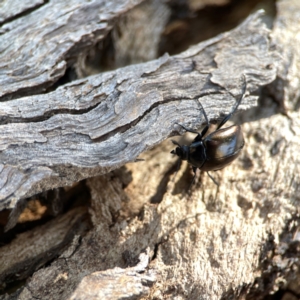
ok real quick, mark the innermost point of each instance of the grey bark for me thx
(215, 243)
(12, 9)
(97, 124)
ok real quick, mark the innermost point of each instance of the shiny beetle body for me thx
(221, 148)
(216, 150)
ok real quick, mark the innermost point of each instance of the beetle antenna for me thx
(243, 94)
(205, 116)
(203, 132)
(187, 129)
(138, 159)
(176, 143)
(237, 105)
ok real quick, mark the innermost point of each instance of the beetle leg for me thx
(187, 129)
(226, 118)
(195, 172)
(215, 182)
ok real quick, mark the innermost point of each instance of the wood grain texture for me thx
(149, 239)
(36, 49)
(94, 125)
(286, 88)
(32, 249)
(12, 9)
(117, 282)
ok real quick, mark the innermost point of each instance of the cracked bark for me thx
(97, 124)
(144, 238)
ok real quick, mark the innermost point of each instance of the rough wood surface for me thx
(286, 38)
(35, 248)
(12, 9)
(148, 239)
(37, 48)
(97, 124)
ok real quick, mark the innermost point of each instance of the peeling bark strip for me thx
(97, 124)
(11, 9)
(117, 282)
(36, 49)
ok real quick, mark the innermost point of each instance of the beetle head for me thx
(181, 151)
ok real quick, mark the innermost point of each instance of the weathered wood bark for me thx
(147, 238)
(97, 124)
(11, 9)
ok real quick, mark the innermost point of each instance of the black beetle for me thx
(218, 149)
